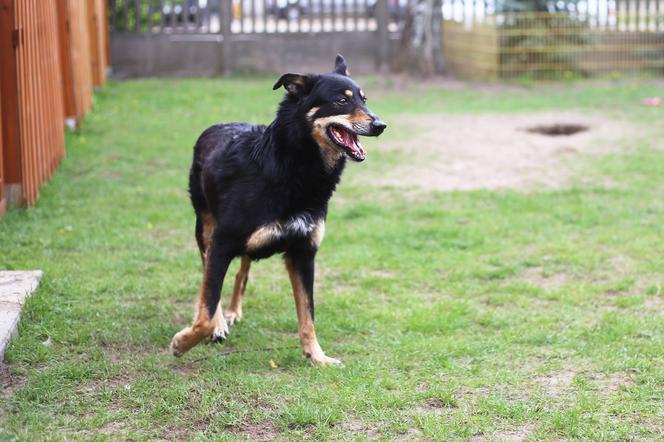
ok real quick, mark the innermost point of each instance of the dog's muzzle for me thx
(377, 127)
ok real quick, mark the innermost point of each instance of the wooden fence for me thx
(46, 74)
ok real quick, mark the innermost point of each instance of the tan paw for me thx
(321, 359)
(178, 344)
(220, 332)
(232, 317)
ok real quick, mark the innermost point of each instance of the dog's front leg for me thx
(209, 318)
(300, 266)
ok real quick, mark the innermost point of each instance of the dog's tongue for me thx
(351, 141)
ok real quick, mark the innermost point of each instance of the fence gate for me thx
(207, 37)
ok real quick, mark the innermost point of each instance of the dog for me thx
(262, 190)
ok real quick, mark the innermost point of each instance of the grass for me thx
(463, 314)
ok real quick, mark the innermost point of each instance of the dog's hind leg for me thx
(205, 224)
(218, 257)
(234, 310)
(300, 266)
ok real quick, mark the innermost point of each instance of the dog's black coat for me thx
(247, 176)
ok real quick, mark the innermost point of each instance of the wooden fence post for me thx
(226, 18)
(9, 39)
(382, 19)
(3, 201)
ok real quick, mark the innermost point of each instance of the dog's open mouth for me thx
(348, 141)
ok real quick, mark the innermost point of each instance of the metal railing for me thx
(250, 16)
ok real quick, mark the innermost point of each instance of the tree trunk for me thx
(420, 39)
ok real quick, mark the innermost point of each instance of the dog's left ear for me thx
(295, 84)
(340, 66)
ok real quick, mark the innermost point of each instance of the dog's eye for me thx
(341, 101)
(364, 99)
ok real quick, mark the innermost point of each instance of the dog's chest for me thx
(276, 236)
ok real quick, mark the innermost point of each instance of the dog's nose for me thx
(377, 126)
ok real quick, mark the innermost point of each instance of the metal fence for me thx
(250, 16)
(578, 39)
(210, 37)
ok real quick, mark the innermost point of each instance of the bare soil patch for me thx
(357, 428)
(512, 435)
(491, 151)
(538, 278)
(9, 382)
(256, 431)
(557, 384)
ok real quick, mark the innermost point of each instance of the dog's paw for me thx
(322, 360)
(232, 317)
(177, 345)
(220, 332)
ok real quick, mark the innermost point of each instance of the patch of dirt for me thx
(357, 428)
(434, 407)
(510, 435)
(613, 382)
(9, 383)
(410, 435)
(256, 431)
(556, 383)
(490, 151)
(536, 277)
(655, 304)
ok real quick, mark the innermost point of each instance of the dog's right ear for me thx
(295, 84)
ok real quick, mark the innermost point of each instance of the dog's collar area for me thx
(348, 141)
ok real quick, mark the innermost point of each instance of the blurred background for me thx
(75, 43)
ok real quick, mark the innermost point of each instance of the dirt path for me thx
(487, 151)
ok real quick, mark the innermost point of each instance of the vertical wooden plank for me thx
(65, 59)
(3, 201)
(38, 96)
(107, 36)
(9, 98)
(95, 50)
(102, 37)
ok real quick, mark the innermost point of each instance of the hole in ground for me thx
(554, 130)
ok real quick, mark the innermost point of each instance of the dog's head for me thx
(335, 110)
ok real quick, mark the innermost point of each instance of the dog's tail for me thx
(196, 188)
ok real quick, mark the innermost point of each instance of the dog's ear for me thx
(295, 84)
(340, 66)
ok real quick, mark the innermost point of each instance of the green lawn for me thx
(459, 315)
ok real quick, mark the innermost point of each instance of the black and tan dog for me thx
(260, 190)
